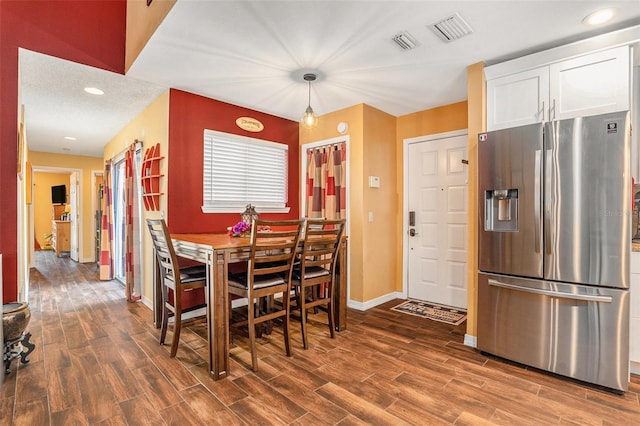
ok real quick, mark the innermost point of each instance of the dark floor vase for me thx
(15, 319)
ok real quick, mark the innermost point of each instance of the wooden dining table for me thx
(217, 251)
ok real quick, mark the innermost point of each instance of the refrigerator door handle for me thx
(536, 195)
(547, 200)
(585, 297)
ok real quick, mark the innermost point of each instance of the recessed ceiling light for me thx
(93, 90)
(70, 138)
(600, 16)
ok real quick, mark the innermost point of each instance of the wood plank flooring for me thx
(98, 361)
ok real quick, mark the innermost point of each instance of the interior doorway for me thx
(73, 216)
(436, 218)
(97, 194)
(44, 212)
(304, 190)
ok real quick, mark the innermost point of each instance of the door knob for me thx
(412, 232)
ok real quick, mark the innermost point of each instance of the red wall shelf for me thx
(150, 178)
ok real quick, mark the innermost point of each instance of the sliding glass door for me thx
(120, 216)
(119, 220)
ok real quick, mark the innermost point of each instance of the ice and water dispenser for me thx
(501, 210)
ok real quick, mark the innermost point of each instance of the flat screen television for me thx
(59, 194)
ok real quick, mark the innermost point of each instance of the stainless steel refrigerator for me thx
(553, 247)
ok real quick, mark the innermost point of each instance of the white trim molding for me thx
(471, 341)
(94, 209)
(363, 306)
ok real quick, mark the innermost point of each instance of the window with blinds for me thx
(239, 170)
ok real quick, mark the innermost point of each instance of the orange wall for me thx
(442, 119)
(468, 115)
(42, 207)
(151, 127)
(432, 121)
(476, 90)
(327, 129)
(379, 159)
(372, 152)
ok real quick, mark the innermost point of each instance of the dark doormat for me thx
(432, 311)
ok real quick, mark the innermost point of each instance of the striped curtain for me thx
(133, 286)
(106, 226)
(326, 182)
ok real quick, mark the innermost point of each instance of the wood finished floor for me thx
(98, 361)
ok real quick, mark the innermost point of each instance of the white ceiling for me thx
(254, 53)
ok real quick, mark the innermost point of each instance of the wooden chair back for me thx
(321, 244)
(314, 276)
(175, 278)
(273, 249)
(165, 253)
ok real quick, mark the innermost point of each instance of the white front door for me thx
(437, 201)
(73, 214)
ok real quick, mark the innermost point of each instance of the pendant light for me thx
(309, 118)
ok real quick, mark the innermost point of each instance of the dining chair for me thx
(315, 272)
(175, 280)
(273, 248)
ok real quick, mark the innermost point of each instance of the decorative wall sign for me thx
(250, 124)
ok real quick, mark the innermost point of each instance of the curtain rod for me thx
(119, 155)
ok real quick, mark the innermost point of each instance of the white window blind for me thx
(240, 170)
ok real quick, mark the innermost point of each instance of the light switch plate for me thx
(374, 182)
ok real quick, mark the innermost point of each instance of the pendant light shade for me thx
(309, 118)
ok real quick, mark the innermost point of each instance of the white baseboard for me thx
(634, 367)
(147, 302)
(363, 306)
(471, 341)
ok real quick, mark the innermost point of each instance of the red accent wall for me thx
(189, 116)
(84, 31)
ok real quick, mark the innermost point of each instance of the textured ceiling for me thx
(254, 53)
(56, 105)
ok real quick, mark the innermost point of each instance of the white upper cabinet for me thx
(591, 84)
(518, 99)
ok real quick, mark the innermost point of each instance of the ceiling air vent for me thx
(451, 28)
(405, 40)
